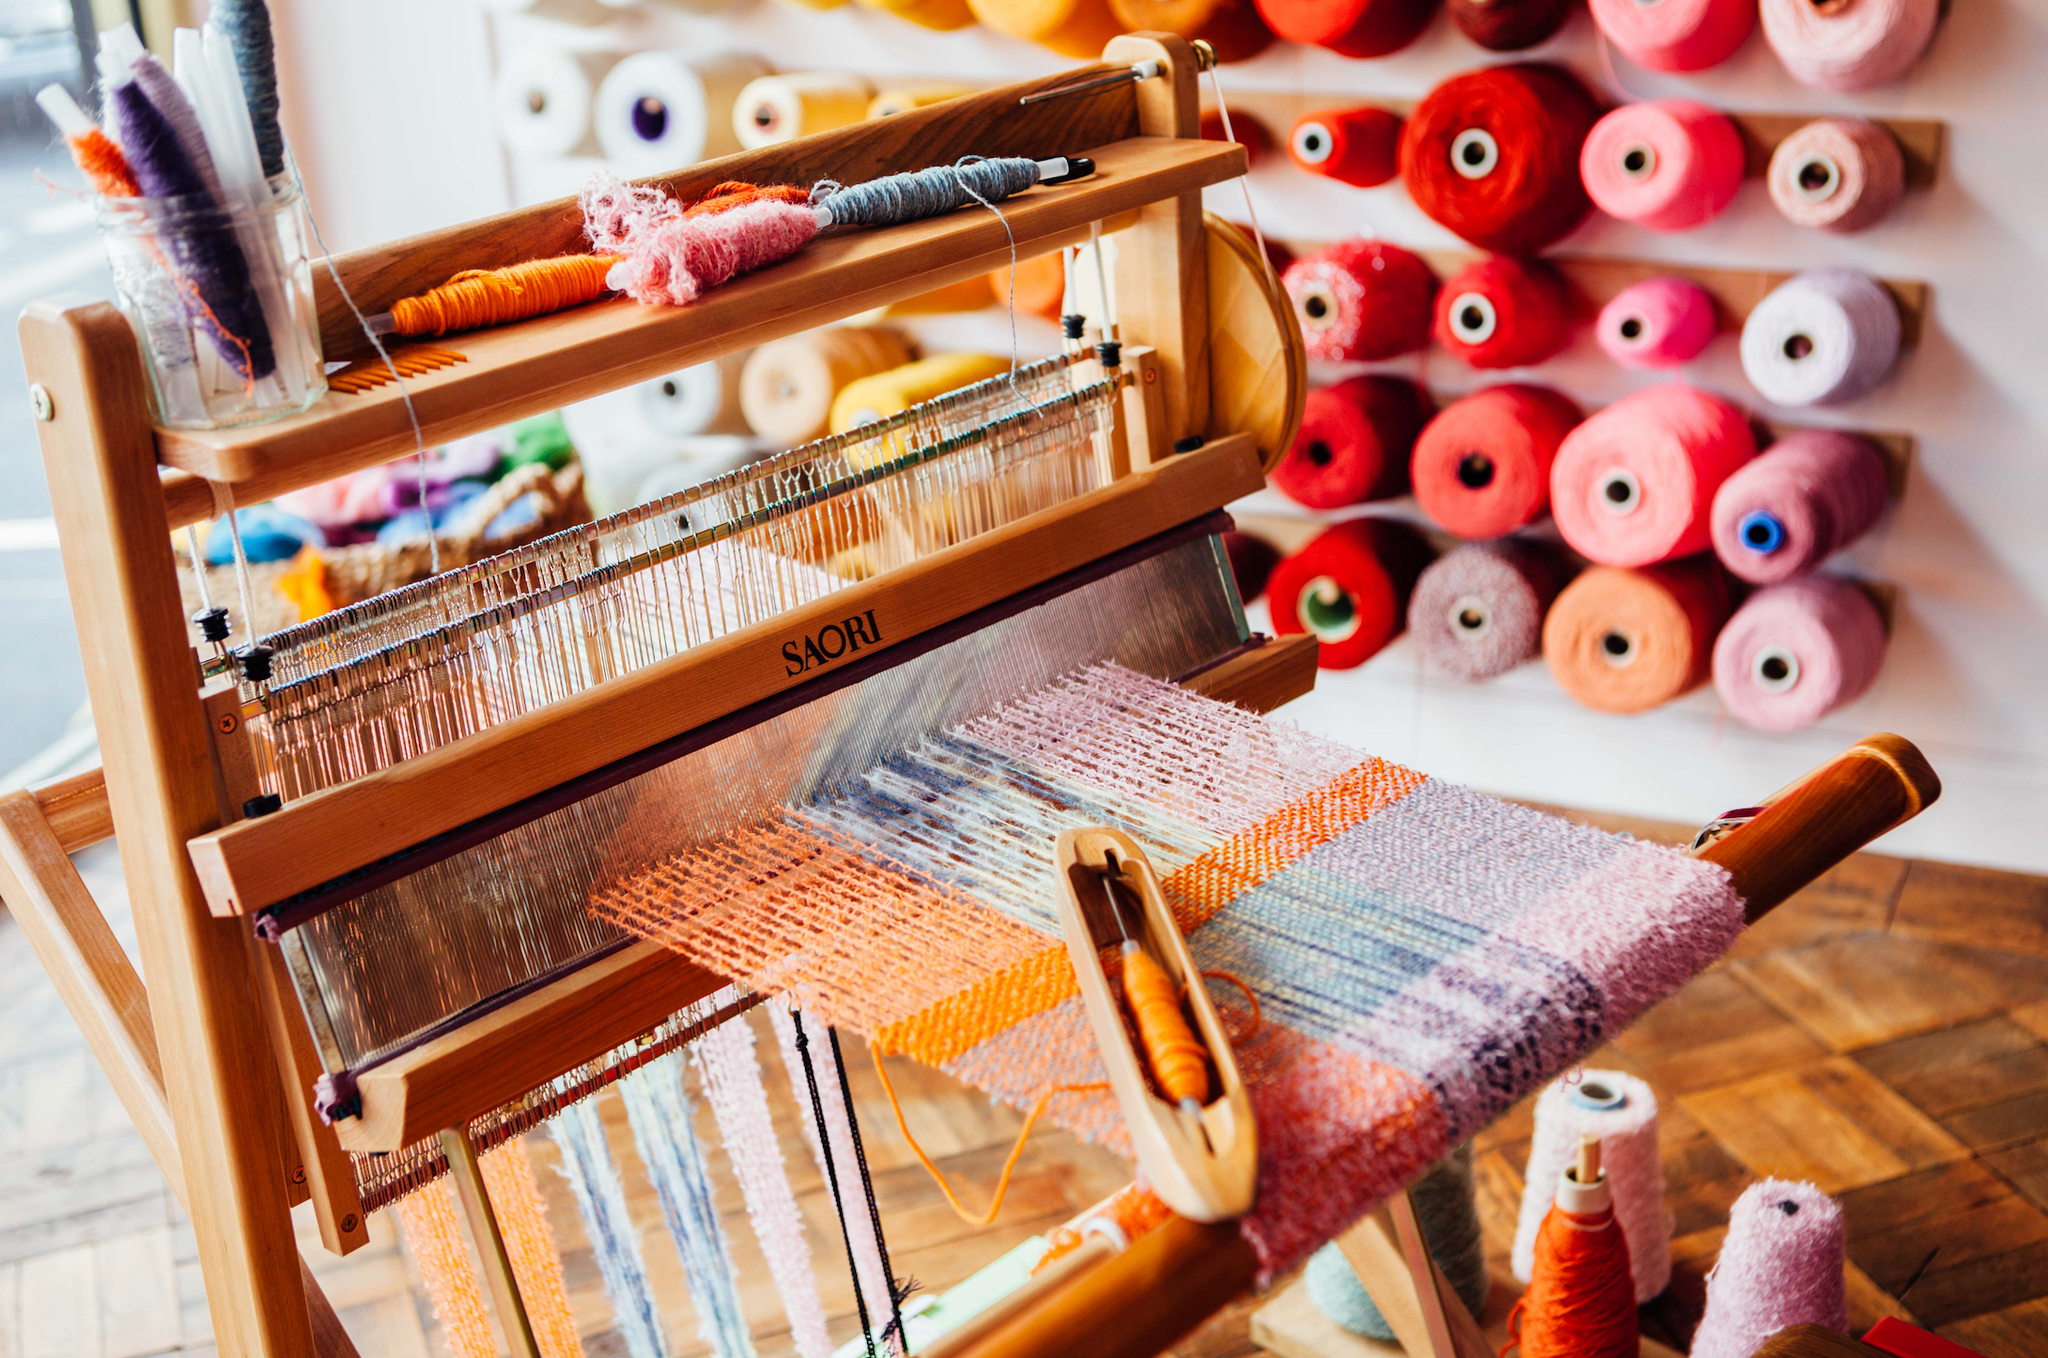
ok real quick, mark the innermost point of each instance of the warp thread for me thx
(1667, 164)
(1505, 313)
(1837, 174)
(1657, 323)
(1795, 652)
(663, 1120)
(246, 26)
(1493, 155)
(1349, 587)
(1676, 35)
(1809, 495)
(830, 1135)
(1508, 25)
(1361, 299)
(1635, 483)
(727, 1062)
(1352, 28)
(1360, 146)
(600, 1194)
(1355, 441)
(1447, 1210)
(1622, 1111)
(433, 1234)
(1629, 640)
(1827, 335)
(1781, 1264)
(1481, 468)
(1850, 45)
(1478, 610)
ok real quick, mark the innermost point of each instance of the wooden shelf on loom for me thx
(252, 864)
(534, 366)
(1920, 139)
(488, 1062)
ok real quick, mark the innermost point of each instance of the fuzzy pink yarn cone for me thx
(1780, 1265)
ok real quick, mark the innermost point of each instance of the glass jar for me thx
(220, 294)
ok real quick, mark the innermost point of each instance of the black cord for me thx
(803, 1048)
(867, 1185)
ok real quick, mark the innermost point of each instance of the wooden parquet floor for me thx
(1885, 1035)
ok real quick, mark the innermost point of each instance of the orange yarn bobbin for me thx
(1179, 1062)
(104, 164)
(482, 297)
(1581, 1301)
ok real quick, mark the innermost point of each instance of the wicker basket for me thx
(370, 568)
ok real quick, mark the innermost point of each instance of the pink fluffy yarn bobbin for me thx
(1781, 1265)
(1657, 323)
(677, 260)
(1676, 35)
(1811, 494)
(1797, 651)
(1668, 164)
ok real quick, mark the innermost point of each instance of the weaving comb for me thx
(1204, 1166)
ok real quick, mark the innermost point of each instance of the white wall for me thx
(398, 140)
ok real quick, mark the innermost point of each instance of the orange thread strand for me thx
(1258, 1019)
(1179, 1062)
(1009, 1165)
(482, 297)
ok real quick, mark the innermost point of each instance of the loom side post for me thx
(107, 1000)
(1162, 265)
(99, 452)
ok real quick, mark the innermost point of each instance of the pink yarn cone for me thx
(1797, 651)
(1780, 1265)
(1668, 164)
(1634, 484)
(1676, 35)
(1657, 323)
(1809, 495)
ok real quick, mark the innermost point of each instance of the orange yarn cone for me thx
(1581, 1301)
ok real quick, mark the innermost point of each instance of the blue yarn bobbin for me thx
(1449, 1217)
(1761, 532)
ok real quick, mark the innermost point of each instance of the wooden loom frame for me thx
(207, 1059)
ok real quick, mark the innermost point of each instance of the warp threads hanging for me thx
(662, 1119)
(601, 1200)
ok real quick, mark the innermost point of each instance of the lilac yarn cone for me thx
(1809, 495)
(1780, 1265)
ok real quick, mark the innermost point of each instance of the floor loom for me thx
(1210, 350)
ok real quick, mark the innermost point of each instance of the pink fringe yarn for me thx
(867, 1251)
(1780, 1265)
(675, 260)
(732, 1082)
(615, 211)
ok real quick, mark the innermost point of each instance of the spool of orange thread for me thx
(1040, 287)
(1177, 1059)
(1504, 313)
(1621, 640)
(1581, 1301)
(1073, 28)
(1361, 146)
(1482, 467)
(1232, 27)
(1349, 588)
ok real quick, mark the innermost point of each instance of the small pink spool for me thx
(1813, 493)
(1797, 651)
(1781, 1264)
(1657, 323)
(1837, 174)
(1676, 35)
(1668, 164)
(1633, 485)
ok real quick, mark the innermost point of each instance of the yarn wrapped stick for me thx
(1179, 1061)
(479, 297)
(246, 26)
(672, 256)
(212, 271)
(92, 150)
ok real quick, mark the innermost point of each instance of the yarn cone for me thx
(1581, 1301)
(1780, 1265)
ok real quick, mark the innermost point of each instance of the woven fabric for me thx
(1423, 955)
